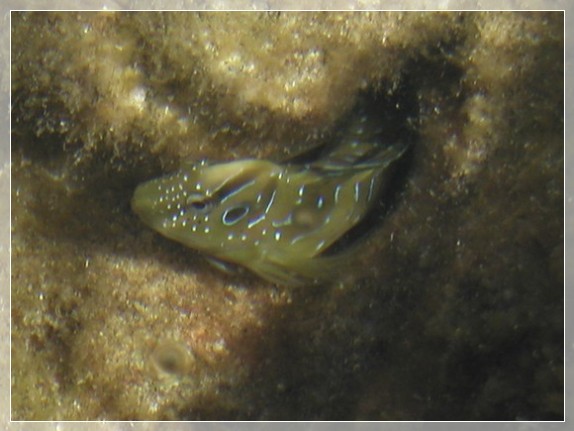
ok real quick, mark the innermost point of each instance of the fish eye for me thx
(234, 214)
(198, 203)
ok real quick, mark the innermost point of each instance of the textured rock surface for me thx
(456, 312)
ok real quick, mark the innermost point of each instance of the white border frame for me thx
(7, 6)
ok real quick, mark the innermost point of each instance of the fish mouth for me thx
(143, 203)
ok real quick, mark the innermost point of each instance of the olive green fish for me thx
(275, 219)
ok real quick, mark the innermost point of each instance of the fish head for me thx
(201, 205)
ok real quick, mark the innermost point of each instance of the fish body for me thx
(275, 219)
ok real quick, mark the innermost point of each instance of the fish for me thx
(278, 220)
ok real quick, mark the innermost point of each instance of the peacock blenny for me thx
(275, 219)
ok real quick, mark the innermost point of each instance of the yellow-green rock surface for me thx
(455, 310)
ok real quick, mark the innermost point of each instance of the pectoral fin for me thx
(299, 272)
